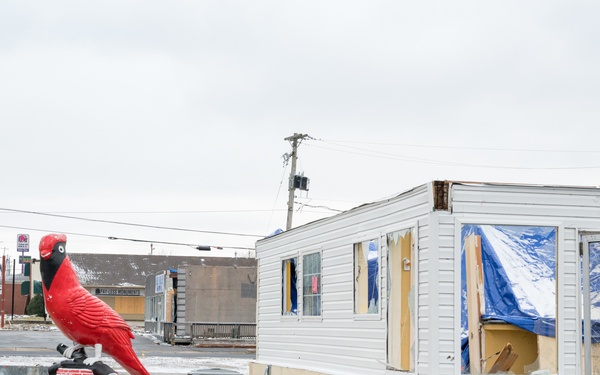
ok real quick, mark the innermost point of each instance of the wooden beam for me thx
(474, 294)
(505, 360)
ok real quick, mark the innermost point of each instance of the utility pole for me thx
(295, 140)
(3, 289)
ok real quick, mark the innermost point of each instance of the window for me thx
(289, 291)
(154, 309)
(311, 287)
(509, 289)
(366, 277)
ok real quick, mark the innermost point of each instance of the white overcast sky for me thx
(174, 113)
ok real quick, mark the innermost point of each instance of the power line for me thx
(53, 231)
(197, 247)
(459, 147)
(163, 212)
(129, 224)
(389, 156)
(320, 206)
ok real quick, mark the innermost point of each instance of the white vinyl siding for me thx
(567, 208)
(569, 325)
(340, 344)
(336, 344)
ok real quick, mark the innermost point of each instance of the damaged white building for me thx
(447, 278)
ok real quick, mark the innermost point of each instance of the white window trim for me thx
(298, 288)
(358, 239)
(308, 318)
(559, 272)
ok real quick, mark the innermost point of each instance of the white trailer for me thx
(405, 285)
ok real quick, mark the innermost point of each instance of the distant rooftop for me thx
(130, 269)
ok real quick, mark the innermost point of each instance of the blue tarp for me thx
(293, 287)
(519, 266)
(528, 300)
(373, 265)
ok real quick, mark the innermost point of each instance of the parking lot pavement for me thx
(44, 342)
(38, 348)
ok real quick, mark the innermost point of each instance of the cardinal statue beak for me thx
(45, 254)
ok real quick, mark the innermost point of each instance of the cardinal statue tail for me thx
(124, 353)
(130, 362)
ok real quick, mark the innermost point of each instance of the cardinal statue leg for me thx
(97, 354)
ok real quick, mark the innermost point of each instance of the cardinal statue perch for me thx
(81, 316)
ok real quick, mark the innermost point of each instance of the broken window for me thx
(509, 299)
(366, 277)
(311, 288)
(289, 291)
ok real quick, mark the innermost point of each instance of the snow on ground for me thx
(167, 365)
(154, 364)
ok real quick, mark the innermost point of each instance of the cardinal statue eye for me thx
(61, 249)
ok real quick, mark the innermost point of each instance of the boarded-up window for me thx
(311, 287)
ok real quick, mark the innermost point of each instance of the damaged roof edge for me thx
(517, 184)
(441, 191)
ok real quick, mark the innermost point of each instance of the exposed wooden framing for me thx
(400, 329)
(405, 325)
(288, 286)
(474, 299)
(362, 278)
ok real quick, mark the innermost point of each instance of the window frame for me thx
(302, 273)
(290, 316)
(362, 239)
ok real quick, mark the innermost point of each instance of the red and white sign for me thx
(23, 243)
(73, 371)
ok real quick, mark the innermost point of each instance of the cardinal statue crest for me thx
(81, 316)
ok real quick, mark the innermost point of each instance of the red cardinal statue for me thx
(82, 317)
